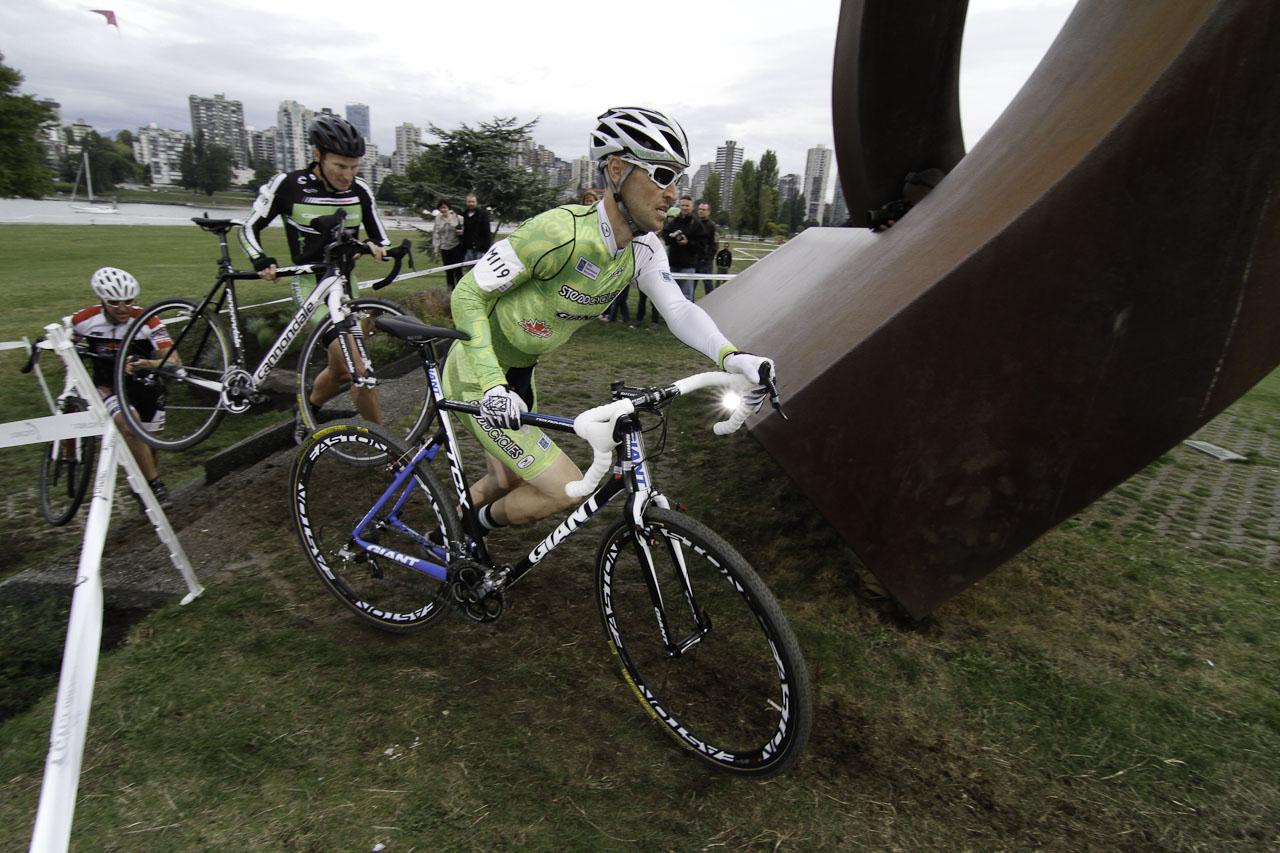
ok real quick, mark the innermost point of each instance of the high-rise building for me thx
(839, 207)
(817, 181)
(370, 170)
(582, 175)
(788, 187)
(293, 122)
(728, 164)
(262, 146)
(408, 144)
(222, 123)
(160, 152)
(52, 137)
(358, 115)
(700, 181)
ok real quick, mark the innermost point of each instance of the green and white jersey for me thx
(560, 270)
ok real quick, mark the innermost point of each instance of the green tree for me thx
(262, 172)
(480, 160)
(22, 168)
(711, 193)
(393, 190)
(745, 204)
(205, 166)
(766, 192)
(793, 213)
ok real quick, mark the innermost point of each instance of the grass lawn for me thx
(1113, 687)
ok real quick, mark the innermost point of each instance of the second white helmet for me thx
(114, 284)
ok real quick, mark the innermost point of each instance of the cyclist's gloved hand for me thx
(501, 408)
(746, 364)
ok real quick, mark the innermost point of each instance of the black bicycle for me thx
(66, 465)
(701, 640)
(204, 375)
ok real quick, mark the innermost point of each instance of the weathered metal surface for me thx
(1098, 278)
(896, 100)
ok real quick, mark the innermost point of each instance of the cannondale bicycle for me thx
(204, 375)
(701, 641)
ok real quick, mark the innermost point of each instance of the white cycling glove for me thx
(501, 408)
(747, 365)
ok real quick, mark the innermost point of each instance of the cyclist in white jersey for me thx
(530, 292)
(98, 330)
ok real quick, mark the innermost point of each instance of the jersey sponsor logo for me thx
(302, 179)
(666, 276)
(583, 299)
(310, 190)
(525, 462)
(537, 328)
(497, 268)
(605, 229)
(563, 316)
(505, 443)
(587, 268)
(544, 443)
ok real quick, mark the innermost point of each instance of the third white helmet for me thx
(114, 284)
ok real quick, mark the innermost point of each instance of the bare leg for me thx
(537, 498)
(144, 453)
(329, 384)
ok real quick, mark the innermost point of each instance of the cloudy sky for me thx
(758, 71)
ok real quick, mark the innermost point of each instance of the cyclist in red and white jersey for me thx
(97, 331)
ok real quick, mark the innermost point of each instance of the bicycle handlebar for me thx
(596, 426)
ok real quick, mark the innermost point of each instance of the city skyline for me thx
(142, 72)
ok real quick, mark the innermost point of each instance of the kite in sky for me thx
(109, 15)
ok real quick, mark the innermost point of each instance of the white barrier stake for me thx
(75, 368)
(79, 669)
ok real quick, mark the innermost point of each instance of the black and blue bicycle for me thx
(702, 641)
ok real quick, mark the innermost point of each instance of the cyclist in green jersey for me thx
(557, 272)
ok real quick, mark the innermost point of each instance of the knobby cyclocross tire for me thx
(739, 698)
(402, 380)
(65, 471)
(191, 411)
(330, 496)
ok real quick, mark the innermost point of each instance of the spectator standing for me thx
(724, 259)
(706, 243)
(446, 242)
(476, 235)
(681, 236)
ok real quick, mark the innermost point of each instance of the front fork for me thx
(350, 335)
(635, 469)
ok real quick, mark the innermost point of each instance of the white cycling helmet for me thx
(114, 284)
(641, 133)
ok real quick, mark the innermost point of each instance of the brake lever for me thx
(768, 379)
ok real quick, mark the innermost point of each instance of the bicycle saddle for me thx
(415, 331)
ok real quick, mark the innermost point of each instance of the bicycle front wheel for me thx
(65, 471)
(330, 498)
(400, 401)
(728, 681)
(180, 404)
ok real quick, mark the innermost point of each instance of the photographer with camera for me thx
(683, 236)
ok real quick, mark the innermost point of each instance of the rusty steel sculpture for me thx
(1097, 278)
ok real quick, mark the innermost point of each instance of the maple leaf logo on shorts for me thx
(537, 328)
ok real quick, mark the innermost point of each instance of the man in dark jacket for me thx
(706, 243)
(476, 235)
(681, 235)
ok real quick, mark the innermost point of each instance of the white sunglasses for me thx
(663, 176)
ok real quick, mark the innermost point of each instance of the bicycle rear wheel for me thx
(331, 496)
(738, 698)
(402, 382)
(65, 471)
(190, 390)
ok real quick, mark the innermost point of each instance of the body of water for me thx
(53, 212)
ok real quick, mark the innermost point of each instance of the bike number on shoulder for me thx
(498, 267)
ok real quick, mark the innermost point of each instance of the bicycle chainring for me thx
(476, 590)
(237, 390)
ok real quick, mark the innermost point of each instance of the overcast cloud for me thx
(758, 71)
